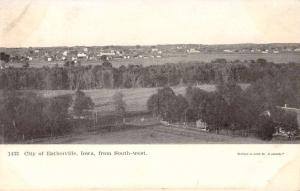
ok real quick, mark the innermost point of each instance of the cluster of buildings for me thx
(262, 51)
(93, 54)
(62, 54)
(227, 49)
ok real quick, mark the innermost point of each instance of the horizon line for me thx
(163, 44)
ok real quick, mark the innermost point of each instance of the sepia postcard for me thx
(151, 95)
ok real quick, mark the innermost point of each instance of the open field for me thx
(135, 98)
(151, 131)
(208, 57)
(147, 136)
(199, 57)
(159, 134)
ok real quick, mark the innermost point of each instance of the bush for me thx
(266, 128)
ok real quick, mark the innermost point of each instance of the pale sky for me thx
(132, 22)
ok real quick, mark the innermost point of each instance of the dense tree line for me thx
(256, 109)
(26, 115)
(73, 76)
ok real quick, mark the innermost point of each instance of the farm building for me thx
(193, 50)
(201, 124)
(111, 53)
(65, 53)
(3, 64)
(81, 55)
(228, 51)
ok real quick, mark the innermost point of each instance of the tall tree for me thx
(119, 104)
(82, 103)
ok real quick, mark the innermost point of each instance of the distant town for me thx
(126, 54)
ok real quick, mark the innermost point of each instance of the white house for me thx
(2, 64)
(107, 53)
(119, 53)
(192, 50)
(81, 55)
(112, 53)
(227, 51)
(65, 53)
(201, 125)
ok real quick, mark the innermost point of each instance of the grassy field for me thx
(159, 135)
(148, 136)
(208, 57)
(135, 98)
(200, 57)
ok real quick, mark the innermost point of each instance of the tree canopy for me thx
(81, 103)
